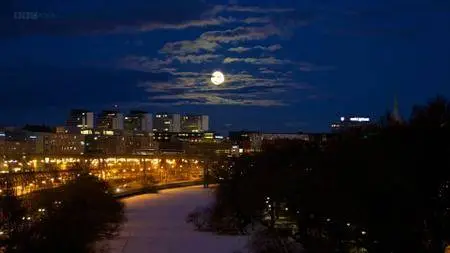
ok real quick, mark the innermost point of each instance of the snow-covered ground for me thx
(156, 224)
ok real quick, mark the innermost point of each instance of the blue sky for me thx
(289, 65)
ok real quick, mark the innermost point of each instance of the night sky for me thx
(289, 65)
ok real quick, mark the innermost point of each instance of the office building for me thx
(59, 144)
(347, 123)
(16, 142)
(246, 141)
(204, 137)
(80, 119)
(110, 120)
(140, 144)
(194, 123)
(138, 121)
(165, 122)
(100, 144)
(284, 136)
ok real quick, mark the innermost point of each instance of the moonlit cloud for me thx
(133, 16)
(196, 98)
(239, 49)
(262, 86)
(257, 61)
(308, 55)
(210, 41)
(271, 48)
(239, 89)
(256, 9)
(188, 24)
(241, 34)
(188, 47)
(196, 58)
(266, 71)
(249, 9)
(257, 20)
(146, 64)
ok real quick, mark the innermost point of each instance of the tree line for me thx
(70, 218)
(380, 189)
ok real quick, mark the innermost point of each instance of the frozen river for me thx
(156, 224)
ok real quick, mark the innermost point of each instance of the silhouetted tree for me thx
(71, 218)
(435, 114)
(376, 189)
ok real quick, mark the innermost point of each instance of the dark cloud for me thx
(310, 67)
(27, 17)
(65, 87)
(84, 17)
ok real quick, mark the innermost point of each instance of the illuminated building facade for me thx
(118, 143)
(195, 123)
(347, 123)
(246, 141)
(59, 144)
(16, 142)
(110, 120)
(192, 137)
(284, 136)
(166, 122)
(80, 119)
(140, 144)
(208, 148)
(250, 141)
(113, 134)
(138, 121)
(105, 144)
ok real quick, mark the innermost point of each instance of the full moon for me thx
(217, 78)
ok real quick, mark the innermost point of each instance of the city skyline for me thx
(288, 66)
(133, 121)
(143, 121)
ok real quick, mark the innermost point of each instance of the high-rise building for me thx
(80, 119)
(110, 120)
(194, 123)
(138, 121)
(165, 122)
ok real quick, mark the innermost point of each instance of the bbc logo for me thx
(26, 15)
(32, 15)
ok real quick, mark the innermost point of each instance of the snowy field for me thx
(156, 224)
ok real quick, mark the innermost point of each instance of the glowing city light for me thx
(358, 119)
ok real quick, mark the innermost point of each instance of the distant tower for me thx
(395, 115)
